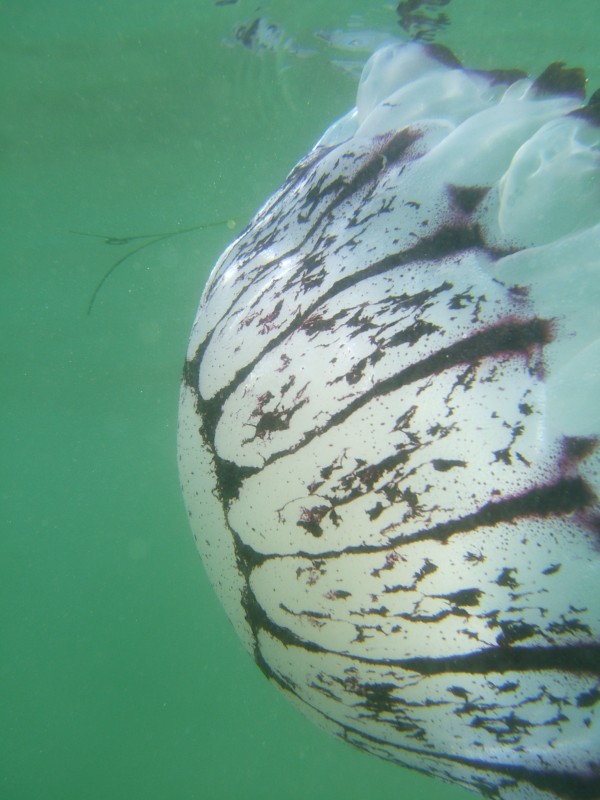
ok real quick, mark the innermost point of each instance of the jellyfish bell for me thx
(388, 445)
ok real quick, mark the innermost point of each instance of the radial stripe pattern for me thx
(388, 432)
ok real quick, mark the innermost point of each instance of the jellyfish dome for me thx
(389, 421)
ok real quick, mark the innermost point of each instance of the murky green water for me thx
(120, 676)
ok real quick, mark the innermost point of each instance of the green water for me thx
(120, 676)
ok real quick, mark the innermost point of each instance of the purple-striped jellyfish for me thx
(388, 432)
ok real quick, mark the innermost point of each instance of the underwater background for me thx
(120, 676)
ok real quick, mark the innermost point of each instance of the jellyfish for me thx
(388, 426)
